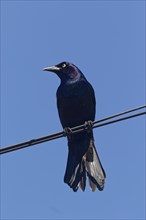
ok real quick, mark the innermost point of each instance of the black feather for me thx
(76, 105)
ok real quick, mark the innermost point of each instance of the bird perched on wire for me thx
(76, 106)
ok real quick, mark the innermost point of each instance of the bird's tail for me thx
(95, 172)
(82, 164)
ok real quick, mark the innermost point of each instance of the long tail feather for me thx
(95, 171)
(83, 160)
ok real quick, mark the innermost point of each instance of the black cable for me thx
(122, 113)
(112, 116)
(76, 129)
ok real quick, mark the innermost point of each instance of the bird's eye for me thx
(64, 65)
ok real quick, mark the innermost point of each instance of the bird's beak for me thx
(52, 68)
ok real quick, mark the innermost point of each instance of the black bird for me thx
(76, 105)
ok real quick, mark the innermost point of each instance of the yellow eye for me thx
(64, 65)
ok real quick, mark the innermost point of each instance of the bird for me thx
(77, 105)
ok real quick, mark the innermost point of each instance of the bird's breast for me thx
(75, 106)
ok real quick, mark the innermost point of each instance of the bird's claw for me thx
(88, 126)
(68, 132)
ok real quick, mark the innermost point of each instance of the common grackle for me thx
(76, 105)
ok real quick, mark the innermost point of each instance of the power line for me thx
(74, 130)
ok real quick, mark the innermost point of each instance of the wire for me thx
(112, 116)
(76, 129)
(123, 113)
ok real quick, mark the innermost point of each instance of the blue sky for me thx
(106, 40)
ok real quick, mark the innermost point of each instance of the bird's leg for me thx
(88, 126)
(68, 132)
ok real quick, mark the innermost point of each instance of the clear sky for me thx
(106, 40)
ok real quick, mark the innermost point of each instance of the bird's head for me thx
(67, 72)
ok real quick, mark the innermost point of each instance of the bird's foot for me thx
(88, 126)
(68, 132)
